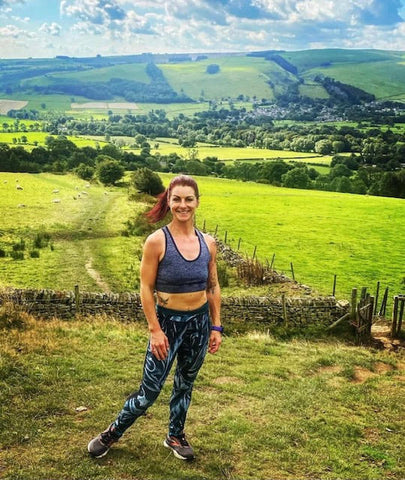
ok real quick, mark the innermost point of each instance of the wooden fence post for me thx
(254, 253)
(239, 243)
(376, 298)
(272, 261)
(77, 299)
(394, 331)
(354, 304)
(383, 307)
(216, 230)
(292, 271)
(226, 236)
(370, 316)
(334, 285)
(203, 226)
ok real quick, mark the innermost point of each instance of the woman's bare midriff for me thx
(182, 301)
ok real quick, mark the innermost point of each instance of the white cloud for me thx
(51, 28)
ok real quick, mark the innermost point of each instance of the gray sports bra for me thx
(176, 274)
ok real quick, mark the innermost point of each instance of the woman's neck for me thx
(181, 228)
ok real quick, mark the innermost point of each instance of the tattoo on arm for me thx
(162, 300)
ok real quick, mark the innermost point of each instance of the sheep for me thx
(56, 200)
(55, 191)
(84, 193)
(19, 187)
(21, 205)
(87, 185)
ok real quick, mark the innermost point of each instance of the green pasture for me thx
(237, 153)
(237, 76)
(359, 238)
(262, 408)
(135, 72)
(39, 138)
(85, 229)
(385, 79)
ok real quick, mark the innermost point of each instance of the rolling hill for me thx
(260, 76)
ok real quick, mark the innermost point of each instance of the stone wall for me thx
(240, 313)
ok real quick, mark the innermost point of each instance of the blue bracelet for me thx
(217, 329)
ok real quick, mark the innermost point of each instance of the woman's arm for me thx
(214, 296)
(149, 264)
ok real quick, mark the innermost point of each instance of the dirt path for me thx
(95, 275)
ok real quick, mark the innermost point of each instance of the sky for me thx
(80, 28)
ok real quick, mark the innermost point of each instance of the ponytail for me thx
(161, 208)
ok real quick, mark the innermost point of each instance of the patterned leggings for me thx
(188, 334)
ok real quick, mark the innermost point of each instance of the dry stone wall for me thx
(241, 313)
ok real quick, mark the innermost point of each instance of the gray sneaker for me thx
(180, 447)
(99, 446)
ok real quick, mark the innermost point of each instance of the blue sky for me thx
(45, 28)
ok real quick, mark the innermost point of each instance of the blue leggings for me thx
(188, 333)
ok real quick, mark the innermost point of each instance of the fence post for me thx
(353, 304)
(226, 236)
(334, 285)
(272, 261)
(394, 331)
(254, 253)
(370, 316)
(376, 298)
(384, 304)
(239, 243)
(216, 230)
(292, 271)
(203, 226)
(401, 314)
(77, 299)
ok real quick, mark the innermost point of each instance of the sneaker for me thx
(99, 446)
(180, 447)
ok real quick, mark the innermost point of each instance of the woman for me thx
(180, 297)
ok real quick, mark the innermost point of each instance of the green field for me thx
(358, 238)
(39, 138)
(85, 229)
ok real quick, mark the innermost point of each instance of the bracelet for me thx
(217, 329)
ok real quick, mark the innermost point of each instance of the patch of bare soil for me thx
(7, 105)
(382, 336)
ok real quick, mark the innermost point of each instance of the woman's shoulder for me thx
(209, 240)
(155, 239)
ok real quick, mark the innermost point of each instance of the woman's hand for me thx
(215, 341)
(159, 344)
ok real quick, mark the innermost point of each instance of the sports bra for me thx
(176, 274)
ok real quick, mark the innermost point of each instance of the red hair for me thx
(160, 210)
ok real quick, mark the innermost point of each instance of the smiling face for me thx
(183, 203)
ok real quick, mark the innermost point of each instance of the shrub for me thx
(41, 240)
(17, 255)
(2, 253)
(20, 246)
(11, 316)
(223, 275)
(34, 253)
(146, 181)
(110, 171)
(212, 68)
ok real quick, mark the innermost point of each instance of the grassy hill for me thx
(381, 73)
(322, 233)
(262, 408)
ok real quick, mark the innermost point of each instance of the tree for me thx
(109, 171)
(147, 181)
(84, 171)
(296, 178)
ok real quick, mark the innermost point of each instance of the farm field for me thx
(85, 228)
(38, 139)
(358, 238)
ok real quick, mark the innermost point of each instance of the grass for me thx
(85, 231)
(356, 237)
(39, 138)
(262, 407)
